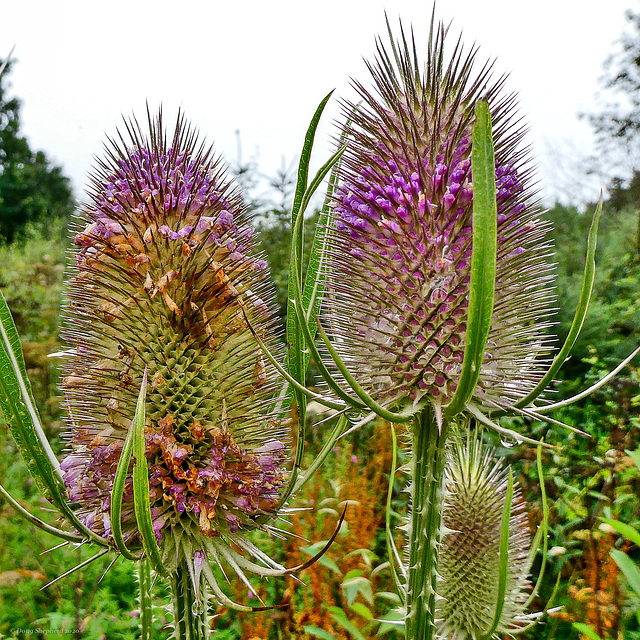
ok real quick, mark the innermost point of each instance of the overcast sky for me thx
(262, 67)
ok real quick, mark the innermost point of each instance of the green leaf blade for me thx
(625, 530)
(586, 630)
(141, 502)
(295, 340)
(628, 567)
(117, 493)
(20, 412)
(483, 258)
(586, 290)
(317, 632)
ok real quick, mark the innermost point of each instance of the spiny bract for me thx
(166, 277)
(399, 262)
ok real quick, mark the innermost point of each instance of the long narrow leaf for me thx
(627, 566)
(543, 530)
(302, 355)
(624, 529)
(586, 630)
(313, 289)
(19, 410)
(309, 339)
(318, 178)
(580, 314)
(117, 492)
(594, 387)
(141, 501)
(503, 560)
(483, 258)
(293, 334)
(54, 531)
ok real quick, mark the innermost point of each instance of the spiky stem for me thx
(190, 615)
(146, 615)
(429, 446)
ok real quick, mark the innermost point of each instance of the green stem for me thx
(146, 611)
(429, 448)
(191, 621)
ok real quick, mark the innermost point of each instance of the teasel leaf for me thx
(141, 500)
(117, 490)
(312, 299)
(313, 286)
(542, 534)
(54, 531)
(586, 291)
(503, 558)
(20, 412)
(483, 258)
(295, 341)
(594, 387)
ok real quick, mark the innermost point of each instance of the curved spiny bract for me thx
(469, 567)
(398, 272)
(166, 277)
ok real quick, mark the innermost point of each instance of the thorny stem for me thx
(146, 613)
(190, 616)
(429, 447)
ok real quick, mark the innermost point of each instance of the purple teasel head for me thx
(166, 277)
(398, 272)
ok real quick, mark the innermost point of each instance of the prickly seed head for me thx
(468, 566)
(165, 278)
(400, 258)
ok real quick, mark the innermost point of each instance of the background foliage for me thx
(349, 591)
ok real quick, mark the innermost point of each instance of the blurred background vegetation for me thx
(349, 591)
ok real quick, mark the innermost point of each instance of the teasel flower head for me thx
(477, 486)
(166, 280)
(398, 275)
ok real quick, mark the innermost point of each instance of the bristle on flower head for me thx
(400, 248)
(166, 276)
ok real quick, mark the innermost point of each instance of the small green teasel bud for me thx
(477, 486)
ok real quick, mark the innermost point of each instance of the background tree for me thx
(617, 124)
(32, 189)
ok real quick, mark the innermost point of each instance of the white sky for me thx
(262, 67)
